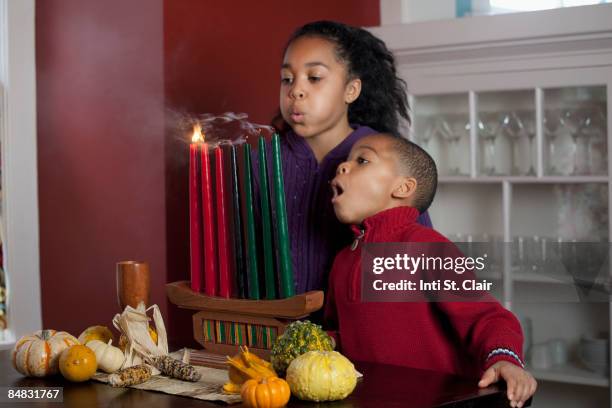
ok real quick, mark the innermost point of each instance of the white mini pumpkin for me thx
(109, 357)
(37, 355)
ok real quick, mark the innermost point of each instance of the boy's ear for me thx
(406, 188)
(353, 89)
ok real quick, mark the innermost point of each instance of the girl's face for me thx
(314, 92)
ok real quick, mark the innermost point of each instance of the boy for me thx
(382, 187)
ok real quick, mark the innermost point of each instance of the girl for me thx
(338, 84)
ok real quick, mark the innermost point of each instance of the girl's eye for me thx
(286, 81)
(361, 160)
(314, 78)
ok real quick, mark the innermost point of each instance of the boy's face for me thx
(367, 182)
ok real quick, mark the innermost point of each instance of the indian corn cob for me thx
(130, 376)
(176, 369)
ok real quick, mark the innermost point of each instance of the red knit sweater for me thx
(452, 337)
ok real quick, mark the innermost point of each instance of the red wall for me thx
(226, 55)
(112, 171)
(100, 153)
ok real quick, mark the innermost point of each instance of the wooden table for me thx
(384, 387)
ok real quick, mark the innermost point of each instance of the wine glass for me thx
(441, 132)
(593, 131)
(459, 138)
(551, 123)
(563, 150)
(487, 129)
(427, 123)
(528, 120)
(513, 129)
(585, 121)
(430, 138)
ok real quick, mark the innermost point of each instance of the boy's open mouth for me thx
(337, 189)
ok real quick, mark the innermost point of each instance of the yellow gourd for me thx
(272, 392)
(101, 333)
(37, 355)
(246, 366)
(321, 376)
(78, 363)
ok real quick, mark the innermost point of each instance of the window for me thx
(480, 7)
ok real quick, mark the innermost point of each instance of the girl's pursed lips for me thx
(296, 116)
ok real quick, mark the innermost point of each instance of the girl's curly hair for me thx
(383, 97)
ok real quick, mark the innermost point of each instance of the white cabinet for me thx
(516, 110)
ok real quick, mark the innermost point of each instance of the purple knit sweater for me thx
(316, 234)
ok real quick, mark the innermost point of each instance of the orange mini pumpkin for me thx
(78, 363)
(37, 355)
(272, 392)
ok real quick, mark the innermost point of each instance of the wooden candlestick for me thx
(223, 325)
(133, 283)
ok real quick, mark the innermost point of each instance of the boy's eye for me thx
(361, 160)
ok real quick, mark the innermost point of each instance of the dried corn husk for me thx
(134, 324)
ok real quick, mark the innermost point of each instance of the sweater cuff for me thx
(503, 354)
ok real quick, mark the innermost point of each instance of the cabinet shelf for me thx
(571, 374)
(525, 179)
(532, 277)
(496, 276)
(535, 277)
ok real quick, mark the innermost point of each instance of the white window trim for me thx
(19, 165)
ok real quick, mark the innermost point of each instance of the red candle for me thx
(222, 231)
(210, 273)
(195, 225)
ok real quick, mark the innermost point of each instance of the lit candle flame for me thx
(198, 136)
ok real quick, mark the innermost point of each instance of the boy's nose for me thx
(342, 168)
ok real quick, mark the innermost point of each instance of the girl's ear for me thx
(353, 89)
(406, 188)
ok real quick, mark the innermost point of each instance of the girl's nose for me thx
(297, 93)
(342, 168)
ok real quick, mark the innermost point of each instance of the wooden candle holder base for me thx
(223, 325)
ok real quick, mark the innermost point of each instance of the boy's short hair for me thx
(416, 162)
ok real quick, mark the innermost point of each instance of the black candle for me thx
(240, 267)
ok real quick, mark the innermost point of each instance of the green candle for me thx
(250, 226)
(266, 222)
(287, 285)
